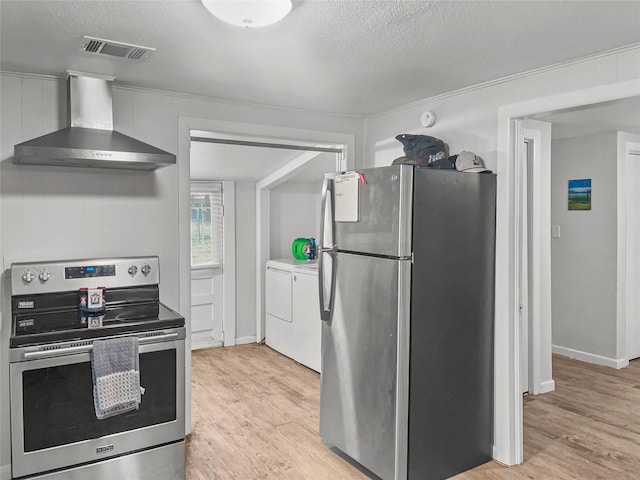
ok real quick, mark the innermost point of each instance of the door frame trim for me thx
(229, 320)
(627, 144)
(508, 437)
(537, 253)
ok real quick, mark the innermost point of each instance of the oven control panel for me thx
(90, 271)
(62, 276)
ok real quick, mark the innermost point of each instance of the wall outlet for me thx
(555, 231)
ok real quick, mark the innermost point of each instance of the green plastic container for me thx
(297, 248)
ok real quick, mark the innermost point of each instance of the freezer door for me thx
(364, 380)
(383, 225)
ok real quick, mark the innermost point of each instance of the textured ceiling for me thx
(356, 57)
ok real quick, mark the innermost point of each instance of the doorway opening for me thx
(251, 248)
(508, 329)
(278, 192)
(575, 154)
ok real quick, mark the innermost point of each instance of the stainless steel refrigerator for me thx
(406, 273)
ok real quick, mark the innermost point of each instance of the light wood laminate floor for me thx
(255, 416)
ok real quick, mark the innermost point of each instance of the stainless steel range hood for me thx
(89, 140)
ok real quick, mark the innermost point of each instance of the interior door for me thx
(533, 255)
(524, 239)
(633, 256)
(206, 307)
(207, 255)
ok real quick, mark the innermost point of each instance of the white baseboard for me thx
(205, 341)
(548, 386)
(5, 472)
(616, 363)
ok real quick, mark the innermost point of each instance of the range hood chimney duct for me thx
(89, 140)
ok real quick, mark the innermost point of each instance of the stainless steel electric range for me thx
(55, 433)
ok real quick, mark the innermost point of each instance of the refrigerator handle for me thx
(325, 303)
(325, 248)
(326, 216)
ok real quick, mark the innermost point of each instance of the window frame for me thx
(214, 188)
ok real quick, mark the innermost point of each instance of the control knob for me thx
(44, 275)
(146, 269)
(28, 276)
(133, 270)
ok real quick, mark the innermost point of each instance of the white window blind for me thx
(206, 224)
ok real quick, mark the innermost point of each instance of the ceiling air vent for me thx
(100, 46)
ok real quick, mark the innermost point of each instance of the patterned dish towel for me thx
(116, 376)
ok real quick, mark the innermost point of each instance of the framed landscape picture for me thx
(580, 194)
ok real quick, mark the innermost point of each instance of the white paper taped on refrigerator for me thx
(346, 197)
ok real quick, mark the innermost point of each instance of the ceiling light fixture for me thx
(249, 13)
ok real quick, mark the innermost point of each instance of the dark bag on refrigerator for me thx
(431, 149)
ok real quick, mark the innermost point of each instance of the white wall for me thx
(584, 258)
(245, 259)
(467, 119)
(42, 207)
(294, 213)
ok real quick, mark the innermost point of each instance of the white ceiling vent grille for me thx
(112, 48)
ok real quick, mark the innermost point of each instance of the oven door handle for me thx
(88, 348)
(57, 351)
(155, 338)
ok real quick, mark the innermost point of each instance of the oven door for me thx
(53, 421)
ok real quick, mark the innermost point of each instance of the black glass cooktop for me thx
(47, 318)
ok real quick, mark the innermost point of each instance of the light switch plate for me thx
(555, 231)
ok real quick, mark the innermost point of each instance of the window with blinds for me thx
(206, 224)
